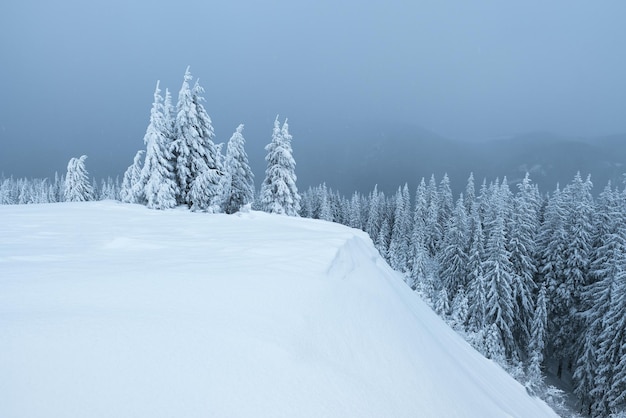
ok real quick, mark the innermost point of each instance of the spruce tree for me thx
(77, 185)
(194, 150)
(476, 278)
(521, 245)
(325, 209)
(241, 188)
(470, 194)
(400, 235)
(279, 193)
(157, 174)
(434, 229)
(566, 290)
(418, 253)
(498, 273)
(453, 258)
(537, 341)
(460, 309)
(132, 190)
(493, 344)
(446, 202)
(374, 215)
(383, 239)
(553, 241)
(442, 303)
(354, 218)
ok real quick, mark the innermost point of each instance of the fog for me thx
(78, 77)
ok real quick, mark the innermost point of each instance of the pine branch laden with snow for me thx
(207, 192)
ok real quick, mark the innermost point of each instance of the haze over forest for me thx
(375, 93)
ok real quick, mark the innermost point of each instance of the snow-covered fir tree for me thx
(434, 228)
(498, 273)
(355, 219)
(325, 206)
(77, 185)
(240, 191)
(418, 258)
(493, 346)
(279, 193)
(453, 258)
(442, 303)
(383, 240)
(475, 276)
(446, 202)
(521, 245)
(401, 231)
(460, 309)
(375, 213)
(194, 151)
(157, 174)
(132, 190)
(537, 341)
(553, 241)
(470, 194)
(576, 225)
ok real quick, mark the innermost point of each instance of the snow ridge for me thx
(230, 316)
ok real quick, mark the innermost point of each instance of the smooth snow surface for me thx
(114, 310)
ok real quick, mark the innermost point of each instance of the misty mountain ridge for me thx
(357, 154)
(390, 157)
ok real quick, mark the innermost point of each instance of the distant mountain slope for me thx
(552, 159)
(109, 310)
(390, 157)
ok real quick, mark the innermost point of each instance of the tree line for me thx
(532, 281)
(180, 165)
(22, 191)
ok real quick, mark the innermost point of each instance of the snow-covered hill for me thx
(113, 310)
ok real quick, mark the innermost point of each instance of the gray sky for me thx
(77, 77)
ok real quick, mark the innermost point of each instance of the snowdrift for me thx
(113, 310)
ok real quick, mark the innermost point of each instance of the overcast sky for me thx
(77, 77)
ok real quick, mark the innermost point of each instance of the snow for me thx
(110, 309)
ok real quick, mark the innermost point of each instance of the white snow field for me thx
(114, 310)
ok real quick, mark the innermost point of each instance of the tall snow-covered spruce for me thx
(197, 163)
(241, 180)
(157, 174)
(77, 185)
(279, 193)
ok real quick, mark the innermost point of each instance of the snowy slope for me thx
(113, 310)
